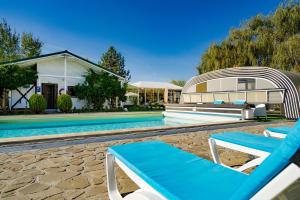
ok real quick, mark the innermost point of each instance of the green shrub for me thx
(64, 103)
(37, 103)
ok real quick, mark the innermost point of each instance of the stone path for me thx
(77, 171)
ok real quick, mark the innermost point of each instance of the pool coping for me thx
(63, 115)
(79, 135)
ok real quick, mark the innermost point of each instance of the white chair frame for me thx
(112, 187)
(261, 155)
(268, 133)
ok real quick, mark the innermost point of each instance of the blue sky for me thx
(160, 39)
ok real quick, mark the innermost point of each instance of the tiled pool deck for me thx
(75, 169)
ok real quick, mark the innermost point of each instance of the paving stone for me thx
(98, 181)
(6, 195)
(75, 168)
(33, 188)
(55, 197)
(54, 178)
(74, 194)
(77, 182)
(8, 175)
(93, 163)
(13, 187)
(46, 193)
(17, 197)
(55, 170)
(13, 167)
(95, 190)
(76, 161)
(33, 172)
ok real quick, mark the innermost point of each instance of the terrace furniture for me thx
(218, 102)
(240, 102)
(256, 145)
(260, 110)
(165, 172)
(280, 131)
(223, 108)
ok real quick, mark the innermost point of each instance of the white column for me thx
(65, 75)
(38, 84)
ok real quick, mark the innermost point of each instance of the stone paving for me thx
(77, 172)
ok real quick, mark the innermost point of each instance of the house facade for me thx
(58, 73)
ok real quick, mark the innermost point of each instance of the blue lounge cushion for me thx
(249, 140)
(218, 102)
(280, 129)
(239, 102)
(177, 174)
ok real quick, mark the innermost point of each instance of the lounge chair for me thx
(164, 172)
(279, 132)
(256, 145)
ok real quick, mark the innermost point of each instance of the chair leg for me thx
(213, 150)
(266, 133)
(112, 188)
(250, 164)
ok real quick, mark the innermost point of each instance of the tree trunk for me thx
(4, 100)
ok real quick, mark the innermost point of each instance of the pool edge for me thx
(5, 141)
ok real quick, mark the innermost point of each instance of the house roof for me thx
(59, 53)
(156, 85)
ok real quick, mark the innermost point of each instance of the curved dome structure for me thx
(261, 84)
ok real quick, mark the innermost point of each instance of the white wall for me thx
(14, 96)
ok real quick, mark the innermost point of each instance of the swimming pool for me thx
(52, 126)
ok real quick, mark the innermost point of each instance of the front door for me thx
(49, 91)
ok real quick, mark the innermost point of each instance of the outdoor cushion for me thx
(249, 140)
(239, 102)
(280, 129)
(218, 102)
(177, 174)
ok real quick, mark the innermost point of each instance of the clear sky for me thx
(160, 39)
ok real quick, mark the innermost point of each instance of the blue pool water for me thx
(25, 128)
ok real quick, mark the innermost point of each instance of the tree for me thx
(99, 87)
(260, 41)
(114, 62)
(30, 45)
(180, 83)
(13, 77)
(12, 46)
(287, 55)
(9, 42)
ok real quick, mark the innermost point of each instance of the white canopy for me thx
(156, 85)
(131, 94)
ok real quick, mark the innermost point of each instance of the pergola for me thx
(150, 91)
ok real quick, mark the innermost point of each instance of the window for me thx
(246, 84)
(71, 91)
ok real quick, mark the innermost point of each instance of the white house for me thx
(58, 73)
